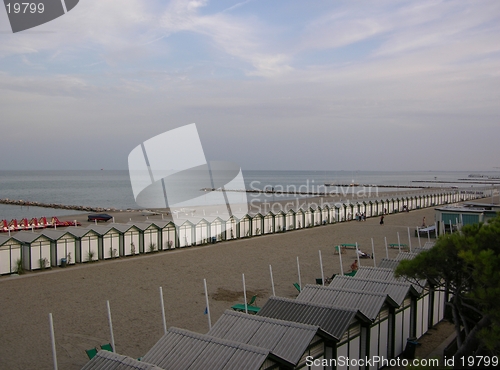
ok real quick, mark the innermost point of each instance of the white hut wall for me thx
(131, 242)
(245, 227)
(290, 220)
(185, 235)
(299, 219)
(9, 254)
(257, 225)
(269, 224)
(325, 215)
(402, 326)
(217, 230)
(168, 237)
(201, 233)
(63, 248)
(110, 245)
(150, 240)
(37, 254)
(279, 222)
(89, 248)
(231, 229)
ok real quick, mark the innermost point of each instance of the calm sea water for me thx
(112, 189)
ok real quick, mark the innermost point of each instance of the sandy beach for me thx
(76, 295)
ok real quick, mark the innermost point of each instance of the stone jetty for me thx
(27, 203)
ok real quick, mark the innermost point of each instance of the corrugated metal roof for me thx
(405, 256)
(396, 290)
(56, 234)
(380, 273)
(367, 303)
(27, 236)
(332, 320)
(143, 225)
(182, 349)
(285, 339)
(79, 231)
(388, 264)
(102, 229)
(123, 228)
(7, 239)
(105, 360)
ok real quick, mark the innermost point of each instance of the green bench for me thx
(396, 245)
(349, 246)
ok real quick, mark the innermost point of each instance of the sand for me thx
(76, 295)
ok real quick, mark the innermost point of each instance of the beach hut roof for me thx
(161, 223)
(331, 319)
(396, 290)
(142, 225)
(387, 274)
(123, 228)
(102, 229)
(28, 236)
(285, 339)
(183, 349)
(388, 263)
(110, 361)
(79, 231)
(105, 360)
(7, 239)
(370, 304)
(56, 234)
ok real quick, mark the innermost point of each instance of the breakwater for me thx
(27, 203)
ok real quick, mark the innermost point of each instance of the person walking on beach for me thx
(382, 220)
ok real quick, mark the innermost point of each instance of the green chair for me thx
(251, 308)
(107, 347)
(297, 286)
(91, 353)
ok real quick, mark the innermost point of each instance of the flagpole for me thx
(321, 266)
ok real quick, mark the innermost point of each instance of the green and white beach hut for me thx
(63, 246)
(232, 231)
(290, 219)
(87, 244)
(109, 241)
(10, 254)
(268, 227)
(168, 234)
(217, 228)
(35, 250)
(150, 236)
(130, 239)
(245, 226)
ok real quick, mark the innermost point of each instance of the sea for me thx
(112, 188)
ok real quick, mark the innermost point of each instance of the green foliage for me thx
(469, 263)
(19, 266)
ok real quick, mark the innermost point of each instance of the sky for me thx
(385, 85)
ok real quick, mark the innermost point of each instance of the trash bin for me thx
(214, 239)
(64, 261)
(411, 345)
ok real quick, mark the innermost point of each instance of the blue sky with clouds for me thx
(321, 85)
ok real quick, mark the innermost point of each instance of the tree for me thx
(468, 266)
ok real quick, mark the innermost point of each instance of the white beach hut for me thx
(10, 254)
(130, 239)
(325, 214)
(150, 236)
(268, 223)
(201, 232)
(217, 229)
(299, 219)
(109, 241)
(257, 224)
(168, 234)
(308, 217)
(63, 245)
(87, 244)
(232, 227)
(280, 221)
(290, 219)
(35, 250)
(245, 226)
(186, 234)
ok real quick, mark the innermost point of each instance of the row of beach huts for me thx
(45, 248)
(366, 321)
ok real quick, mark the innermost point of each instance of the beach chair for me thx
(349, 245)
(251, 308)
(297, 286)
(107, 347)
(339, 249)
(91, 353)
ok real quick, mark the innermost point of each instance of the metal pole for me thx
(111, 328)
(272, 280)
(208, 307)
(386, 249)
(418, 235)
(409, 239)
(245, 293)
(340, 257)
(373, 254)
(451, 228)
(163, 311)
(357, 254)
(321, 266)
(53, 341)
(298, 269)
(399, 243)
